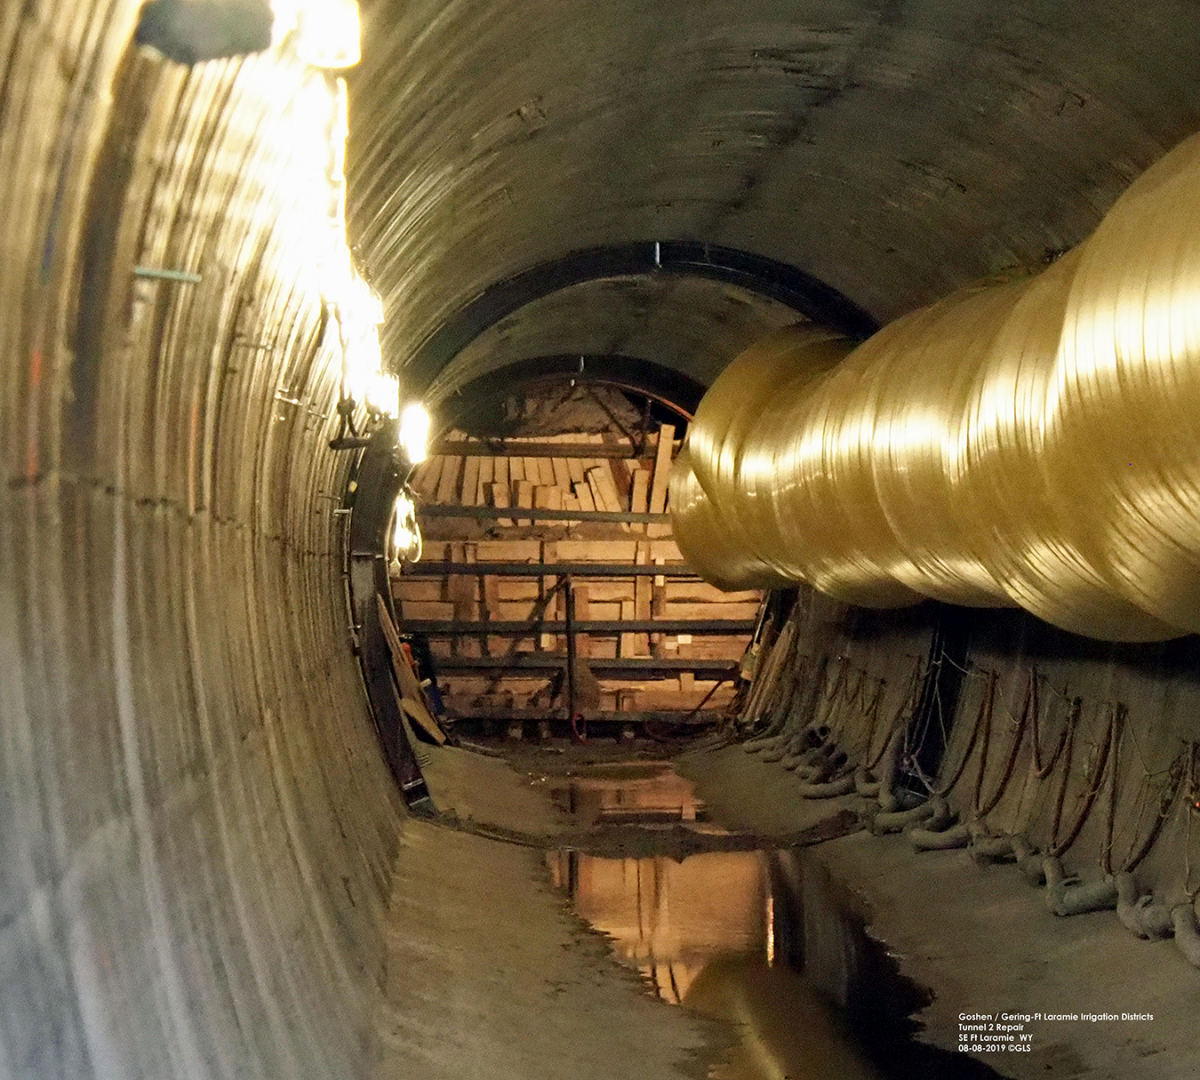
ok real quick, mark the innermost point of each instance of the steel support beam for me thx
(661, 716)
(768, 277)
(634, 666)
(527, 513)
(520, 569)
(444, 628)
(514, 448)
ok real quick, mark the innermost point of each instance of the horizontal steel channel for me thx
(555, 661)
(527, 513)
(164, 274)
(520, 569)
(540, 450)
(448, 628)
(663, 716)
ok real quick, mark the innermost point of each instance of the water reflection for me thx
(666, 918)
(637, 793)
(786, 1029)
(762, 939)
(669, 919)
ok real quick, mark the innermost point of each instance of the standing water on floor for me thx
(760, 937)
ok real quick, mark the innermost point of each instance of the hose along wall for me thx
(1055, 747)
(199, 826)
(1026, 443)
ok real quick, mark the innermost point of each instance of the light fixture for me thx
(327, 32)
(406, 534)
(383, 394)
(361, 360)
(414, 432)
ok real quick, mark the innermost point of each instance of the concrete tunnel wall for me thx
(198, 826)
(929, 667)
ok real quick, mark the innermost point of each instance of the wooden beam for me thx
(524, 499)
(628, 642)
(448, 481)
(487, 469)
(639, 499)
(500, 500)
(425, 483)
(583, 492)
(470, 482)
(583, 613)
(604, 487)
(662, 468)
(411, 698)
(642, 590)
(662, 476)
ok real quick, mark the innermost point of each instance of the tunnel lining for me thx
(764, 276)
(276, 831)
(634, 374)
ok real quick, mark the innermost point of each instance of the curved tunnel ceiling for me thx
(890, 150)
(689, 324)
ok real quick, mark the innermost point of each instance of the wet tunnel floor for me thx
(759, 938)
(492, 972)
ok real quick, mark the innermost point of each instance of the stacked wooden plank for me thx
(457, 605)
(549, 482)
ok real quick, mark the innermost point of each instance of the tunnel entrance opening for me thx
(577, 626)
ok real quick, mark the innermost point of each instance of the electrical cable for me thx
(1057, 847)
(983, 807)
(983, 719)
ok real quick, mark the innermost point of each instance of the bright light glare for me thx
(405, 536)
(358, 303)
(327, 31)
(383, 393)
(339, 131)
(414, 432)
(286, 13)
(361, 359)
(334, 268)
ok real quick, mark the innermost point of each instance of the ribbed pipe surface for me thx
(1031, 442)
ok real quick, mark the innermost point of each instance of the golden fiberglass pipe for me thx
(1032, 443)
